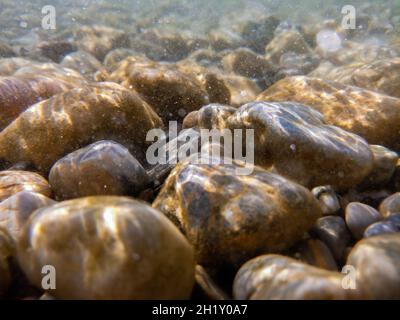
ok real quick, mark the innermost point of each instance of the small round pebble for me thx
(359, 217)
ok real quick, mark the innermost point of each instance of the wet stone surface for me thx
(235, 217)
(107, 248)
(102, 168)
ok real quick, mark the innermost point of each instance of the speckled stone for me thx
(333, 232)
(16, 210)
(107, 248)
(230, 218)
(377, 261)
(51, 129)
(359, 217)
(102, 168)
(296, 140)
(275, 277)
(14, 181)
(371, 115)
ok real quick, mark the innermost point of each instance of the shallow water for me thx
(155, 149)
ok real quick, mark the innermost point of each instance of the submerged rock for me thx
(16, 210)
(285, 42)
(53, 128)
(382, 76)
(14, 181)
(328, 200)
(257, 34)
(246, 63)
(102, 168)
(275, 277)
(173, 91)
(333, 232)
(371, 115)
(377, 261)
(390, 205)
(229, 218)
(31, 84)
(107, 248)
(296, 140)
(359, 217)
(99, 40)
(83, 62)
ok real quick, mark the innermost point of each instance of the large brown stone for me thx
(107, 248)
(301, 146)
(53, 128)
(230, 218)
(374, 116)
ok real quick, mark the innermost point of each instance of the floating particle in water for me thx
(23, 24)
(329, 40)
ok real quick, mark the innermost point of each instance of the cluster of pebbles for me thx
(318, 217)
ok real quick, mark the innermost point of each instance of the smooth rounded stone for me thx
(9, 65)
(173, 91)
(377, 261)
(316, 253)
(276, 277)
(83, 62)
(31, 84)
(51, 129)
(230, 218)
(390, 205)
(359, 217)
(369, 114)
(380, 228)
(257, 34)
(107, 248)
(246, 63)
(16, 210)
(221, 40)
(295, 138)
(99, 40)
(6, 253)
(382, 76)
(243, 90)
(284, 42)
(14, 181)
(102, 168)
(328, 200)
(385, 161)
(332, 230)
(206, 288)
